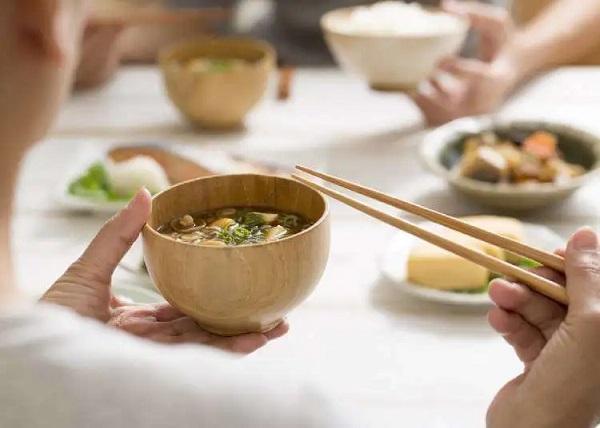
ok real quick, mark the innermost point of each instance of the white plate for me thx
(77, 203)
(132, 282)
(214, 160)
(136, 294)
(131, 264)
(86, 158)
(394, 260)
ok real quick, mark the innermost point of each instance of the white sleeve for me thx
(58, 370)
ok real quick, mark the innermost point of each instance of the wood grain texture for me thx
(235, 290)
(538, 283)
(217, 100)
(546, 258)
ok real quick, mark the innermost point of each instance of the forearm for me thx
(11, 156)
(142, 44)
(566, 31)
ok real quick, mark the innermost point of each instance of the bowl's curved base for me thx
(514, 204)
(224, 331)
(217, 127)
(393, 87)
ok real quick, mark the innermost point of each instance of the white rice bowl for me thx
(393, 45)
(391, 18)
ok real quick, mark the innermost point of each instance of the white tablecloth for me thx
(396, 360)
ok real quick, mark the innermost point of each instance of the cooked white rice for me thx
(127, 177)
(391, 18)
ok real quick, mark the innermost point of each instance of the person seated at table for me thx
(544, 34)
(72, 367)
(293, 27)
(547, 34)
(78, 358)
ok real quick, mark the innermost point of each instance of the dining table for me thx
(387, 357)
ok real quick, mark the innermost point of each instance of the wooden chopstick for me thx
(284, 87)
(542, 285)
(547, 259)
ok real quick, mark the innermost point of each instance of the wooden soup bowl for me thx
(235, 290)
(217, 100)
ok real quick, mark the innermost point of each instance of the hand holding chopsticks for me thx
(542, 285)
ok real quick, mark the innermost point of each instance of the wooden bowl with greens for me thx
(237, 252)
(215, 82)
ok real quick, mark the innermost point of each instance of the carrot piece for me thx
(542, 145)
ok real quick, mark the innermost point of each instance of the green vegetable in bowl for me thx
(233, 226)
(239, 234)
(258, 218)
(214, 65)
(218, 65)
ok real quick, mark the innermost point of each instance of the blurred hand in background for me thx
(100, 53)
(463, 86)
(123, 32)
(561, 32)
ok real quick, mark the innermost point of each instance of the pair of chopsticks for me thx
(540, 284)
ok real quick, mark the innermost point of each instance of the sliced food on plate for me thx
(433, 267)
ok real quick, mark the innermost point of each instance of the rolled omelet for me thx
(434, 267)
(506, 226)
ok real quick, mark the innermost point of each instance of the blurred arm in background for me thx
(109, 42)
(563, 33)
(142, 43)
(100, 54)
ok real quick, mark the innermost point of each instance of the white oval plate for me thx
(88, 156)
(219, 161)
(136, 295)
(76, 203)
(131, 264)
(132, 281)
(394, 259)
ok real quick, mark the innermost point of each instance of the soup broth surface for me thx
(214, 65)
(234, 226)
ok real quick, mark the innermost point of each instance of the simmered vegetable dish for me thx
(534, 159)
(234, 226)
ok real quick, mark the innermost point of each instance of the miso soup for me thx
(234, 226)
